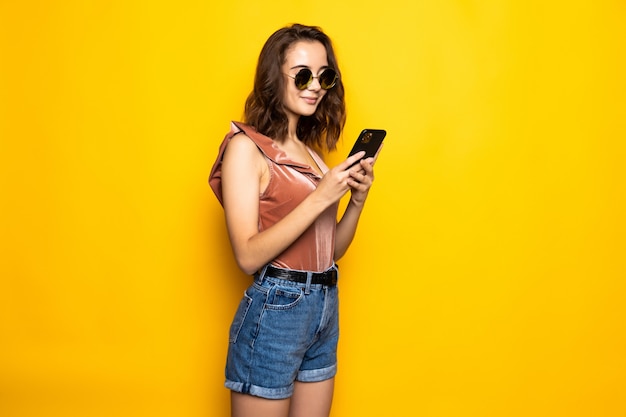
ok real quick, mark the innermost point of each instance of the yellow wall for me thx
(488, 275)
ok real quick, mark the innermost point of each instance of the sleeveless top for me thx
(289, 184)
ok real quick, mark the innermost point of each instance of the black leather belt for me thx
(324, 278)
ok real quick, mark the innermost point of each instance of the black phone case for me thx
(369, 141)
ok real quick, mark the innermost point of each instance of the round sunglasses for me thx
(304, 78)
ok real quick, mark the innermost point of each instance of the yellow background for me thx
(488, 274)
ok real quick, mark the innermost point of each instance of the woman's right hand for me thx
(334, 184)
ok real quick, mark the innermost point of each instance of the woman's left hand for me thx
(361, 181)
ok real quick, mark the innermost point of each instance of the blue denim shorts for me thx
(283, 332)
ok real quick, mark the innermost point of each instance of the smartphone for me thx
(369, 141)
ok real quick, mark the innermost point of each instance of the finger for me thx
(355, 185)
(351, 160)
(367, 165)
(358, 171)
(357, 175)
(360, 178)
(358, 186)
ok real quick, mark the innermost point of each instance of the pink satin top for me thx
(290, 183)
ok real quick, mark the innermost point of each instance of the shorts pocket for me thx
(283, 298)
(240, 316)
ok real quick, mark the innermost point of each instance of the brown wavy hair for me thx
(264, 108)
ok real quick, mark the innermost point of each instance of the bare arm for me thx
(243, 170)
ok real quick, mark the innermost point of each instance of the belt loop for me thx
(309, 277)
(258, 277)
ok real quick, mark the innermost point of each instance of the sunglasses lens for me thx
(303, 78)
(328, 78)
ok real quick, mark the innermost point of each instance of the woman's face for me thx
(304, 54)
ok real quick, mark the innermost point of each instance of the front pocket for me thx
(240, 316)
(283, 298)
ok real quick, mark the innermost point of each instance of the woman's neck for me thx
(292, 131)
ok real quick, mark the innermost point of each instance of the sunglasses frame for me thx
(312, 77)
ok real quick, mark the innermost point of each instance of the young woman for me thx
(281, 201)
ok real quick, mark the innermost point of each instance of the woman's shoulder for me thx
(237, 147)
(242, 135)
(240, 141)
(243, 132)
(250, 131)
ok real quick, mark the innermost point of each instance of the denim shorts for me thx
(283, 332)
